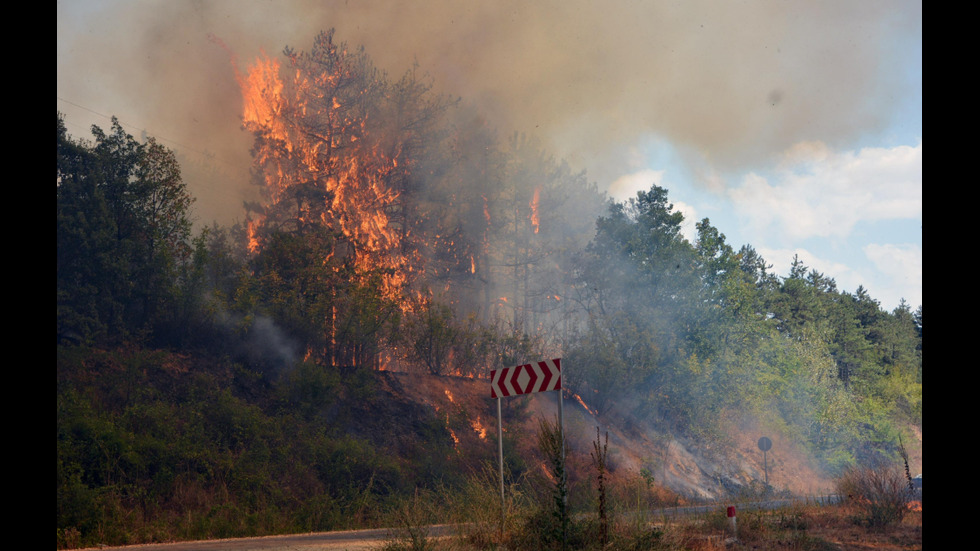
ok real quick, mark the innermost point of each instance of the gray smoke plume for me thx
(260, 343)
(728, 83)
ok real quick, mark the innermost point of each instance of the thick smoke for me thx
(260, 343)
(727, 83)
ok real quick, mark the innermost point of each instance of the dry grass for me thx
(878, 516)
(838, 527)
(799, 528)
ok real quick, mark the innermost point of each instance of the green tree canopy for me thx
(123, 230)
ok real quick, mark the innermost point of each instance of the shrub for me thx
(555, 526)
(410, 520)
(474, 508)
(880, 495)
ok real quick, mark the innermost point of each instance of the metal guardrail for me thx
(689, 510)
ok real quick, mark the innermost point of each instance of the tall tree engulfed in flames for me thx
(336, 146)
(385, 192)
(337, 151)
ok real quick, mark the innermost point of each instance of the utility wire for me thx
(243, 172)
(186, 148)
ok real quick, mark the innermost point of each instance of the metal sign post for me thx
(765, 444)
(561, 431)
(564, 467)
(541, 376)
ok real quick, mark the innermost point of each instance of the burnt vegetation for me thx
(236, 381)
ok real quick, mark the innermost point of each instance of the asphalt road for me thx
(363, 540)
(352, 540)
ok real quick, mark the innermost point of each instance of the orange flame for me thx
(262, 97)
(535, 216)
(452, 434)
(478, 427)
(455, 438)
(253, 241)
(351, 171)
(582, 402)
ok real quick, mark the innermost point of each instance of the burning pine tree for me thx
(335, 146)
(336, 151)
(375, 204)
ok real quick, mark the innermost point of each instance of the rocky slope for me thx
(687, 467)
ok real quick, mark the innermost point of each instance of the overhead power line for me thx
(158, 137)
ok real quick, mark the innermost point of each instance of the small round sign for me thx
(765, 444)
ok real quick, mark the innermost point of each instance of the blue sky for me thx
(795, 127)
(851, 214)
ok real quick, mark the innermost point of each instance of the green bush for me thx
(879, 494)
(410, 520)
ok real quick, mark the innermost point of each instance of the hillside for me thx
(680, 464)
(157, 446)
(265, 378)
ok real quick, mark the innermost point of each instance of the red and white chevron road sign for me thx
(523, 379)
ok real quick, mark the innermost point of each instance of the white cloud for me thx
(688, 226)
(625, 187)
(815, 192)
(901, 265)
(897, 272)
(782, 260)
(805, 152)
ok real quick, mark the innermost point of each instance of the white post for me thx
(564, 467)
(500, 445)
(561, 425)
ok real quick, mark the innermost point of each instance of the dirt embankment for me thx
(690, 468)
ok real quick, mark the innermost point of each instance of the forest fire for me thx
(535, 215)
(452, 434)
(478, 427)
(321, 166)
(262, 97)
(386, 203)
(253, 242)
(582, 403)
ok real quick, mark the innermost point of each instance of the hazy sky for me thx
(795, 127)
